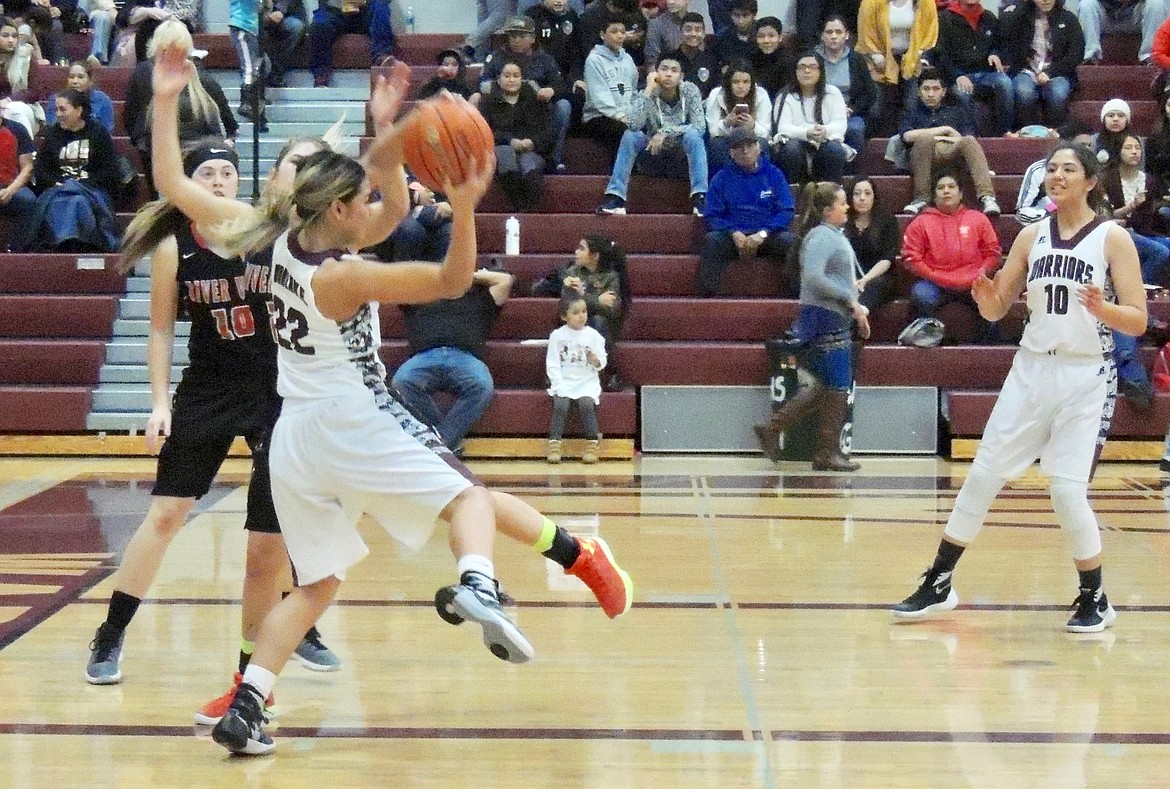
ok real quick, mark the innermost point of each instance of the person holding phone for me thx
(737, 103)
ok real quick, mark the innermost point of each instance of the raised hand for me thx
(388, 94)
(172, 70)
(466, 195)
(1092, 298)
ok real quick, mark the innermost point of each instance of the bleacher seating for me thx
(55, 319)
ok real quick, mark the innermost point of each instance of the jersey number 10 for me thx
(1057, 296)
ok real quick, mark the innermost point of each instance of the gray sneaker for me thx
(105, 656)
(314, 655)
(915, 207)
(465, 602)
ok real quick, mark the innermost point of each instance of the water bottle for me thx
(512, 236)
(410, 19)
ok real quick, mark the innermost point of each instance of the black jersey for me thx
(228, 303)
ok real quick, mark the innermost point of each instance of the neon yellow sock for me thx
(547, 533)
(246, 646)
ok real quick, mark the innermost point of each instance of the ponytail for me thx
(154, 222)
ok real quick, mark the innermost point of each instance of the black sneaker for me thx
(612, 204)
(934, 595)
(472, 601)
(105, 656)
(241, 729)
(698, 203)
(1140, 394)
(1091, 612)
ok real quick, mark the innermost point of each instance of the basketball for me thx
(442, 138)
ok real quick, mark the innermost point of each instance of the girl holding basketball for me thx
(1082, 279)
(587, 558)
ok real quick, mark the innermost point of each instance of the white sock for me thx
(260, 678)
(473, 562)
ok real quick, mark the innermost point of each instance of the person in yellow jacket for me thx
(893, 36)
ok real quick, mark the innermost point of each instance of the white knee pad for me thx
(1070, 500)
(972, 503)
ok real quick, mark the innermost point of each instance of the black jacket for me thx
(862, 89)
(961, 50)
(539, 68)
(703, 70)
(557, 35)
(528, 119)
(1016, 28)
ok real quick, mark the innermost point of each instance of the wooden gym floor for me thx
(758, 651)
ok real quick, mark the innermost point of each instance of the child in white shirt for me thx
(576, 353)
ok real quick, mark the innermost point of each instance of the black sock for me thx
(312, 634)
(564, 549)
(122, 609)
(245, 659)
(947, 557)
(1090, 579)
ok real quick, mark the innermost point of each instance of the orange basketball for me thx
(442, 138)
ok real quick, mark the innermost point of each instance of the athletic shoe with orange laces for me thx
(610, 583)
(210, 713)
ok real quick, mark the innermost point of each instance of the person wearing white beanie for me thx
(1115, 117)
(1121, 16)
(1120, 106)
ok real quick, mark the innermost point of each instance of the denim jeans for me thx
(1154, 258)
(1125, 356)
(446, 370)
(855, 133)
(281, 42)
(1054, 95)
(927, 298)
(666, 164)
(491, 15)
(999, 88)
(563, 113)
(21, 211)
(102, 23)
(1143, 17)
(801, 162)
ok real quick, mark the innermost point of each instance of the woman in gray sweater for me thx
(828, 307)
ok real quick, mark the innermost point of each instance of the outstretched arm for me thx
(996, 296)
(384, 158)
(172, 72)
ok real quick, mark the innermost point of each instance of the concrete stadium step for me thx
(131, 351)
(36, 408)
(131, 374)
(69, 361)
(967, 413)
(1100, 83)
(59, 273)
(58, 315)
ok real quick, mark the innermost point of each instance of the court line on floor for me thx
(788, 605)
(723, 593)
(891, 736)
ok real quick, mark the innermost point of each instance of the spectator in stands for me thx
(524, 135)
(749, 210)
(81, 79)
(76, 172)
(447, 340)
(425, 233)
(664, 32)
(1033, 204)
(938, 131)
(17, 67)
(17, 200)
(597, 16)
(611, 82)
(102, 14)
(556, 33)
(541, 73)
(738, 102)
(285, 23)
(244, 30)
(772, 62)
(203, 111)
(1115, 127)
(362, 17)
(812, 15)
(894, 35)
(1158, 144)
(1041, 44)
(575, 357)
(636, 25)
(699, 66)
(665, 138)
(1134, 200)
(967, 57)
(45, 20)
(576, 6)
(876, 238)
(846, 70)
(1121, 16)
(810, 120)
(947, 247)
(490, 15)
(451, 76)
(828, 310)
(598, 275)
(739, 40)
(138, 19)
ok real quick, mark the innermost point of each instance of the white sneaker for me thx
(989, 206)
(915, 207)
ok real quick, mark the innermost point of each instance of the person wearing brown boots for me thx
(828, 307)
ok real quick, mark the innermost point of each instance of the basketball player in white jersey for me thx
(1083, 281)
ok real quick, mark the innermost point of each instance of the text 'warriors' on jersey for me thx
(1058, 324)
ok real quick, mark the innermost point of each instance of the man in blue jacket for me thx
(749, 208)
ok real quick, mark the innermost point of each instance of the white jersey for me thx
(1058, 324)
(319, 358)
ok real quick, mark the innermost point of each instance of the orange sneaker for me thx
(610, 583)
(210, 713)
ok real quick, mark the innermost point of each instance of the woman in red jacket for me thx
(948, 246)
